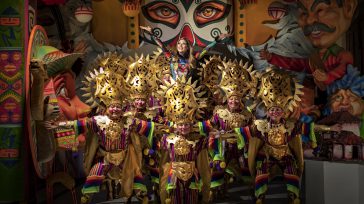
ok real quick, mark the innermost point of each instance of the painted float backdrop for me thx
(12, 141)
(252, 24)
(200, 19)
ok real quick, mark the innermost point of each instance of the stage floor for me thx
(238, 193)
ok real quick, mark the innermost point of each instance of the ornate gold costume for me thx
(237, 79)
(278, 140)
(141, 79)
(276, 134)
(112, 128)
(187, 162)
(279, 89)
(232, 119)
(183, 100)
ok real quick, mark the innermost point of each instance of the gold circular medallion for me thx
(182, 147)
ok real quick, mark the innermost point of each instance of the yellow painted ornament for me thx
(151, 162)
(146, 151)
(222, 165)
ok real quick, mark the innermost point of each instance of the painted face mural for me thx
(198, 21)
(325, 21)
(345, 100)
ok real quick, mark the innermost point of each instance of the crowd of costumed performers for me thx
(190, 127)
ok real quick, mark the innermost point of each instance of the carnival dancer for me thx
(141, 83)
(183, 62)
(185, 171)
(115, 151)
(237, 83)
(276, 141)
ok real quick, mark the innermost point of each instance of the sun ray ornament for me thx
(106, 82)
(210, 72)
(111, 61)
(183, 100)
(162, 63)
(278, 88)
(237, 79)
(141, 80)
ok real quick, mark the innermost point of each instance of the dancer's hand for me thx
(147, 29)
(336, 128)
(50, 124)
(224, 35)
(320, 75)
(265, 54)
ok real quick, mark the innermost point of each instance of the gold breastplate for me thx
(233, 120)
(147, 114)
(276, 135)
(182, 146)
(183, 170)
(277, 152)
(113, 129)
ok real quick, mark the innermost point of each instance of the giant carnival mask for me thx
(198, 21)
(346, 94)
(54, 90)
(346, 100)
(325, 21)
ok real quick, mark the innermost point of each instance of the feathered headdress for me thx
(351, 80)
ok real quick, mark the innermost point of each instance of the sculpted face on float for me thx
(346, 100)
(325, 21)
(198, 21)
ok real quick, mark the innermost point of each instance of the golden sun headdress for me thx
(163, 66)
(183, 100)
(141, 80)
(279, 88)
(237, 79)
(111, 61)
(211, 72)
(105, 84)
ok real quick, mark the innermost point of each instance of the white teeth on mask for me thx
(315, 33)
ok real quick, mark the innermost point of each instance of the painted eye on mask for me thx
(162, 12)
(211, 12)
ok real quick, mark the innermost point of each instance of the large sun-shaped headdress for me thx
(210, 72)
(279, 88)
(141, 79)
(163, 66)
(105, 84)
(182, 100)
(237, 79)
(111, 61)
